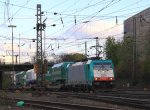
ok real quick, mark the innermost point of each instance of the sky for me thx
(77, 22)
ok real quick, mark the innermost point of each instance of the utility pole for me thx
(16, 58)
(86, 49)
(12, 26)
(19, 48)
(134, 51)
(44, 45)
(97, 45)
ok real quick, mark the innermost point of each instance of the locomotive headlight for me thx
(111, 78)
(103, 71)
(95, 78)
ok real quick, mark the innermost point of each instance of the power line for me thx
(81, 9)
(18, 10)
(108, 5)
(61, 3)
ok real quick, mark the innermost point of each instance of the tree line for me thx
(123, 57)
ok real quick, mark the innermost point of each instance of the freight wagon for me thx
(20, 79)
(57, 75)
(25, 79)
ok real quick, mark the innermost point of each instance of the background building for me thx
(138, 27)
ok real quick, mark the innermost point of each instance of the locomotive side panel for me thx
(76, 75)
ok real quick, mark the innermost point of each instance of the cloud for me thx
(101, 29)
(4, 26)
(26, 52)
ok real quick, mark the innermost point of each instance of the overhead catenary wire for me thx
(72, 22)
(58, 30)
(82, 9)
(112, 27)
(45, 11)
(110, 17)
(7, 4)
(106, 6)
(95, 33)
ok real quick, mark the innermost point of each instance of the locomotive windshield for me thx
(103, 66)
(103, 71)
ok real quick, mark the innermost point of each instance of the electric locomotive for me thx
(90, 75)
(74, 76)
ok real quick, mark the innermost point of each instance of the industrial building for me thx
(138, 27)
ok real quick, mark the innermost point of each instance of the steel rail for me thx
(46, 105)
(132, 102)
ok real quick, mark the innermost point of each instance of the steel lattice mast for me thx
(39, 56)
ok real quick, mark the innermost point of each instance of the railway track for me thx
(129, 94)
(132, 102)
(114, 98)
(136, 103)
(47, 105)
